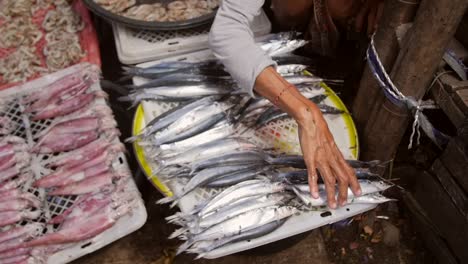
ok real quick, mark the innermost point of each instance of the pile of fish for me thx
(59, 185)
(32, 30)
(208, 141)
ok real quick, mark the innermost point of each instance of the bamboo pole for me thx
(369, 95)
(422, 50)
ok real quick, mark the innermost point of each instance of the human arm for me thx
(317, 143)
(232, 42)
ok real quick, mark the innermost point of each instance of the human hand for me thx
(318, 146)
(321, 153)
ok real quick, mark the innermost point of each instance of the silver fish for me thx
(221, 130)
(204, 247)
(291, 69)
(276, 48)
(232, 211)
(241, 223)
(239, 191)
(238, 158)
(170, 116)
(367, 187)
(201, 178)
(176, 93)
(234, 178)
(192, 123)
(206, 151)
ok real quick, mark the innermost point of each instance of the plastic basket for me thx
(55, 205)
(137, 46)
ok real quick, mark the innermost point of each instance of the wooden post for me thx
(422, 51)
(395, 13)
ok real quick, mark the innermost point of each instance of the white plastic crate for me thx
(11, 107)
(137, 46)
(281, 134)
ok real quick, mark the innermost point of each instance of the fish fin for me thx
(178, 232)
(185, 246)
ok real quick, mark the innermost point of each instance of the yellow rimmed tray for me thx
(342, 128)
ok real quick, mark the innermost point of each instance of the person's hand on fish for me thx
(231, 40)
(318, 146)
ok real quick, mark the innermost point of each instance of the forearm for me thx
(285, 96)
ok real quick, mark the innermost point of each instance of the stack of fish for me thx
(70, 161)
(202, 143)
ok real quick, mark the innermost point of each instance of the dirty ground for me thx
(366, 238)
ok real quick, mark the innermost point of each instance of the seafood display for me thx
(62, 181)
(207, 142)
(38, 37)
(173, 11)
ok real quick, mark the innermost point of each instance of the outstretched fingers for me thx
(329, 182)
(312, 177)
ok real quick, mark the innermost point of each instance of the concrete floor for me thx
(149, 245)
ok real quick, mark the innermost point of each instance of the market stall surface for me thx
(346, 242)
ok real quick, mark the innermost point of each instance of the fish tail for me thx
(105, 84)
(185, 246)
(179, 218)
(132, 139)
(167, 200)
(178, 232)
(127, 98)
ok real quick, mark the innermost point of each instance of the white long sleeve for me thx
(232, 42)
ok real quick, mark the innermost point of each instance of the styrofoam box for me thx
(137, 46)
(282, 130)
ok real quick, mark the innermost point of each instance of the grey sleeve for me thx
(232, 42)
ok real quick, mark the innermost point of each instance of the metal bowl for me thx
(150, 25)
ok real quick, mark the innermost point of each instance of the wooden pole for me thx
(423, 48)
(369, 95)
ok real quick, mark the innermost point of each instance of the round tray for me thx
(153, 25)
(342, 128)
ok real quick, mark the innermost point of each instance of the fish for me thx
(297, 161)
(241, 223)
(192, 123)
(288, 69)
(367, 187)
(276, 48)
(221, 130)
(226, 213)
(204, 247)
(237, 192)
(293, 59)
(165, 119)
(232, 179)
(201, 178)
(301, 176)
(206, 151)
(176, 94)
(249, 157)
